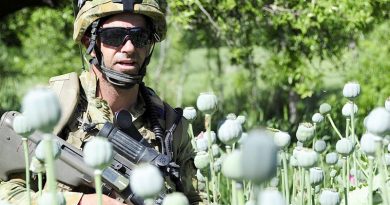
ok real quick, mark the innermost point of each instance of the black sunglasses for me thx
(116, 36)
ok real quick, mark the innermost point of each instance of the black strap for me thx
(170, 131)
(128, 5)
(92, 42)
(117, 78)
(173, 168)
(142, 71)
(153, 117)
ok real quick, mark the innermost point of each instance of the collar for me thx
(137, 111)
(89, 85)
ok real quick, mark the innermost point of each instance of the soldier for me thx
(119, 35)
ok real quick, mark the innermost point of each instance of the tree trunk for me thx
(292, 104)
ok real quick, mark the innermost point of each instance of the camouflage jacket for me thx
(80, 106)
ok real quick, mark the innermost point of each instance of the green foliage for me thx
(368, 63)
(370, 66)
(304, 42)
(36, 44)
(295, 31)
(273, 61)
(45, 39)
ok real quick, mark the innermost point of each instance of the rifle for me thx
(130, 149)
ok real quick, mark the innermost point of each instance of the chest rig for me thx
(152, 117)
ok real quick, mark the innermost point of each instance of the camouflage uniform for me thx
(91, 109)
(79, 104)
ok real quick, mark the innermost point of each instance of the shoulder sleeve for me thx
(67, 88)
(183, 154)
(14, 192)
(185, 158)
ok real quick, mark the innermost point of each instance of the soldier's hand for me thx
(90, 199)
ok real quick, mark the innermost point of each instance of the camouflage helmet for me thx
(91, 10)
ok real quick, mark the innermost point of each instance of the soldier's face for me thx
(126, 57)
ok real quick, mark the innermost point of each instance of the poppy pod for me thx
(146, 181)
(230, 131)
(189, 113)
(317, 118)
(325, 108)
(329, 197)
(307, 158)
(282, 139)
(100, 159)
(37, 166)
(22, 126)
(344, 147)
(259, 156)
(207, 102)
(320, 146)
(331, 158)
(378, 121)
(40, 149)
(231, 166)
(201, 160)
(351, 90)
(42, 109)
(305, 132)
(176, 198)
(316, 176)
(271, 196)
(348, 108)
(369, 143)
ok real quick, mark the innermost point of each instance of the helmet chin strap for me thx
(118, 79)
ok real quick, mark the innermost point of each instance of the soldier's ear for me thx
(85, 41)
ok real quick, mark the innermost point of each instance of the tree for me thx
(299, 35)
(35, 44)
